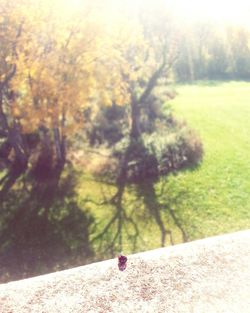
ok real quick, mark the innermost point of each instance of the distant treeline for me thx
(213, 51)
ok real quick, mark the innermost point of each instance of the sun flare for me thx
(220, 10)
(232, 11)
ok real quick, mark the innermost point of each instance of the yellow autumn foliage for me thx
(68, 56)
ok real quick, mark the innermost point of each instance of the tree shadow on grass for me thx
(210, 83)
(125, 227)
(43, 230)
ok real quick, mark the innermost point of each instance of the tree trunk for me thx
(135, 121)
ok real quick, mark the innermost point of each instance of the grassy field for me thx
(215, 198)
(211, 199)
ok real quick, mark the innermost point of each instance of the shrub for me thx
(175, 148)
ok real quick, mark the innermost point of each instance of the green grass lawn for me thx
(215, 198)
(211, 199)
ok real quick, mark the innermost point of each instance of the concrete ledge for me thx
(209, 275)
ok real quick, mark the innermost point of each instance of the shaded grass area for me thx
(211, 199)
(139, 208)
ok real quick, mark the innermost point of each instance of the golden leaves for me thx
(64, 64)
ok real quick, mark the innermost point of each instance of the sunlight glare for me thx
(237, 11)
(223, 11)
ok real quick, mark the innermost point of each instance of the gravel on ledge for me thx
(203, 276)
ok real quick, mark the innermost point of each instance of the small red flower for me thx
(122, 260)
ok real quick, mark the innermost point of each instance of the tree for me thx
(150, 143)
(48, 75)
(51, 68)
(61, 71)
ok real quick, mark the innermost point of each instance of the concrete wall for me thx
(210, 275)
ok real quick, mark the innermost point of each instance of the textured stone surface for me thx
(210, 275)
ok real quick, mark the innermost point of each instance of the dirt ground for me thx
(210, 275)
